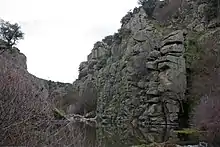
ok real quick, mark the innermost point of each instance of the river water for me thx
(83, 135)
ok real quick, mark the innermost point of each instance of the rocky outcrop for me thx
(140, 72)
(49, 91)
(155, 84)
(143, 73)
(14, 55)
(140, 76)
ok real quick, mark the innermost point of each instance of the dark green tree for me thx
(148, 6)
(212, 9)
(218, 9)
(10, 33)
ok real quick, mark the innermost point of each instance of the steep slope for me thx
(27, 103)
(154, 71)
(140, 73)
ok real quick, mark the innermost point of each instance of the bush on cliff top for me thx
(10, 33)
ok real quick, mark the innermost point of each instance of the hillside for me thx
(150, 75)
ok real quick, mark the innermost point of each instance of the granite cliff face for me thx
(144, 74)
(140, 73)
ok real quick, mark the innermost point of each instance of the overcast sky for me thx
(59, 34)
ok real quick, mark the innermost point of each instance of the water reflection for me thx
(112, 136)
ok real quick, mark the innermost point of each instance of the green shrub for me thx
(148, 6)
(10, 33)
(212, 9)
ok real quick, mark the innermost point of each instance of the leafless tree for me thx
(26, 117)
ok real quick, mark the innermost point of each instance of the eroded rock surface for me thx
(140, 76)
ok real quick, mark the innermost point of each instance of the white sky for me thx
(59, 34)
